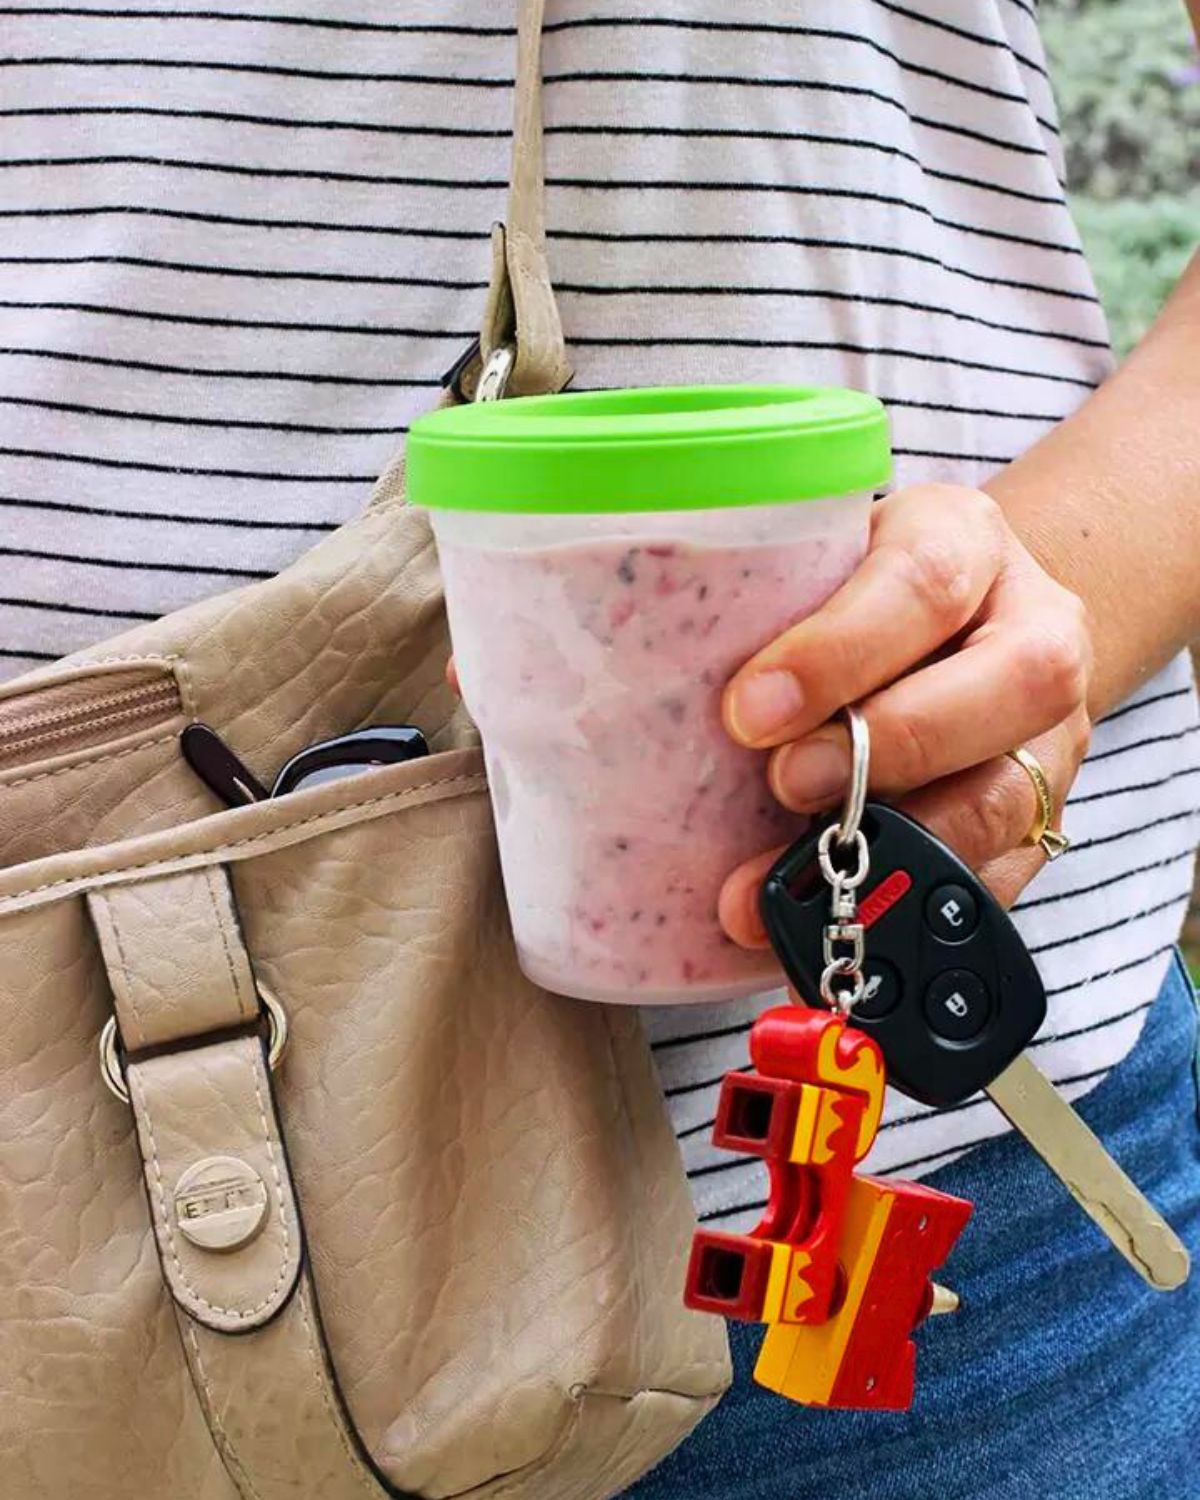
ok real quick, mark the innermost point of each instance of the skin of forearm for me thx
(1109, 502)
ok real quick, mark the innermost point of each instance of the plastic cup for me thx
(610, 560)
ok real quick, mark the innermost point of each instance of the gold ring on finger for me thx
(1041, 836)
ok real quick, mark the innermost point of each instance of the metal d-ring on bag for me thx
(438, 1251)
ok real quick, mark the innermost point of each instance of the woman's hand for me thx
(958, 647)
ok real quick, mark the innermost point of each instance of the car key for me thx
(952, 996)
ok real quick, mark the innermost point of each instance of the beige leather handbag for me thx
(438, 1251)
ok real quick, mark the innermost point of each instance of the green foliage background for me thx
(1131, 131)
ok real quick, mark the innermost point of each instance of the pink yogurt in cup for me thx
(610, 560)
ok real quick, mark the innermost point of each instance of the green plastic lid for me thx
(685, 448)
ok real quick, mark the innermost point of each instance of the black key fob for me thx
(952, 994)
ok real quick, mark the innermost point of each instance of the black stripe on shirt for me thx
(997, 459)
(1133, 963)
(901, 252)
(240, 221)
(306, 377)
(727, 341)
(259, 273)
(819, 33)
(582, 340)
(1077, 1031)
(1086, 890)
(1154, 739)
(1138, 786)
(975, 411)
(240, 523)
(495, 184)
(258, 18)
(750, 81)
(408, 231)
(22, 654)
(79, 609)
(820, 294)
(702, 1036)
(137, 565)
(961, 31)
(97, 461)
(450, 82)
(483, 132)
(1136, 707)
(197, 320)
(458, 132)
(393, 28)
(814, 242)
(1111, 926)
(119, 414)
(856, 195)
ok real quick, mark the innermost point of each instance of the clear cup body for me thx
(592, 651)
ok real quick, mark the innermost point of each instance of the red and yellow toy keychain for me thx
(840, 1266)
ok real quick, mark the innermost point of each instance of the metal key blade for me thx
(1075, 1155)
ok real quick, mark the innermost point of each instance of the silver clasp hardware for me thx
(496, 373)
(843, 947)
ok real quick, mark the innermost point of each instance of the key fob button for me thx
(883, 990)
(957, 1005)
(952, 913)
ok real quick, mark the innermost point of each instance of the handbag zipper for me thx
(61, 718)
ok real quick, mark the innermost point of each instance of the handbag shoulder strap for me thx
(521, 313)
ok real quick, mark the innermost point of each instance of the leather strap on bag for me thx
(521, 312)
(220, 1191)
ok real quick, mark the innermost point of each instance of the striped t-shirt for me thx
(241, 244)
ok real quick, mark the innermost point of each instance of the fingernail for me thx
(810, 774)
(763, 705)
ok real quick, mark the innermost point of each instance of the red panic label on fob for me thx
(884, 897)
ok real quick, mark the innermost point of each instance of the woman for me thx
(243, 247)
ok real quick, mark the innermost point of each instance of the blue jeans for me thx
(1063, 1376)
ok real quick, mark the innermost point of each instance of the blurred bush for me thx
(1124, 72)
(1137, 250)
(1128, 85)
(1131, 128)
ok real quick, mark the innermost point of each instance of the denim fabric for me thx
(1062, 1377)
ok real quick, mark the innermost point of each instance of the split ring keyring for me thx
(860, 767)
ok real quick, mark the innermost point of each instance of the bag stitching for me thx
(182, 673)
(366, 1481)
(169, 862)
(123, 964)
(221, 913)
(90, 760)
(224, 1444)
(135, 1087)
(75, 671)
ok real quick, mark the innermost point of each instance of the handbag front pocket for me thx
(492, 1205)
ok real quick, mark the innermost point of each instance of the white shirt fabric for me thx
(241, 244)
